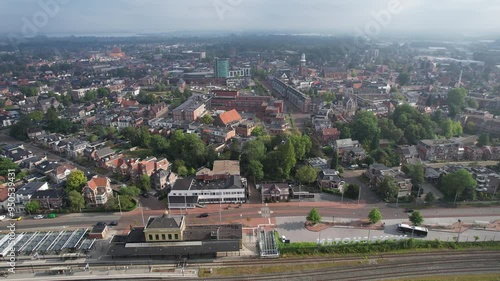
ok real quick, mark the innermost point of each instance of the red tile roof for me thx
(229, 117)
(97, 182)
(330, 131)
(4, 193)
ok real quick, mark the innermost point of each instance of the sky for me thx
(465, 17)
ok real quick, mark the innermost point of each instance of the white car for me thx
(38, 217)
(2, 218)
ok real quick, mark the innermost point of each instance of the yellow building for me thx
(164, 229)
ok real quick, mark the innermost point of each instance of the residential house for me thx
(161, 179)
(245, 128)
(97, 191)
(4, 196)
(329, 135)
(35, 132)
(330, 179)
(473, 153)
(76, 148)
(158, 111)
(61, 173)
(100, 156)
(353, 154)
(377, 172)
(408, 154)
(275, 192)
(217, 134)
(49, 199)
(24, 194)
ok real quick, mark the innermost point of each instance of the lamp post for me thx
(359, 194)
(460, 230)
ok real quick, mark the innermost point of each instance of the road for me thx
(4, 138)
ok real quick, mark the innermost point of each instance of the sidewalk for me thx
(109, 274)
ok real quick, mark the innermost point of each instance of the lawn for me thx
(139, 153)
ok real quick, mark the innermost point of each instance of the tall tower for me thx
(303, 60)
(221, 68)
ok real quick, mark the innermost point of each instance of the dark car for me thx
(113, 223)
(145, 195)
(100, 223)
(409, 210)
(204, 215)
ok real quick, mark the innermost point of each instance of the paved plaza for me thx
(293, 228)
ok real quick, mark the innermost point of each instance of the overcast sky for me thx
(468, 17)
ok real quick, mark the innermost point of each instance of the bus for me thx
(414, 230)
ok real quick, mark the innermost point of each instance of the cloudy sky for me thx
(468, 17)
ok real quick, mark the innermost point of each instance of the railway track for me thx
(380, 266)
(460, 264)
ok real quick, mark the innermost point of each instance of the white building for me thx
(23, 194)
(186, 193)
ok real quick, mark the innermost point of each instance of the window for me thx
(170, 237)
(157, 236)
(176, 236)
(150, 236)
(163, 237)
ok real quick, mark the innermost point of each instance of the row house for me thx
(127, 121)
(135, 167)
(473, 153)
(294, 96)
(35, 132)
(158, 123)
(440, 149)
(17, 153)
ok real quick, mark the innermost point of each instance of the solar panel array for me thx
(46, 242)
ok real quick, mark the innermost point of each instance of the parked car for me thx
(52, 216)
(2, 218)
(353, 167)
(113, 223)
(18, 218)
(204, 215)
(100, 223)
(409, 210)
(38, 217)
(145, 195)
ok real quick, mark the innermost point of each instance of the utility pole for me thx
(142, 213)
(460, 230)
(359, 194)
(120, 204)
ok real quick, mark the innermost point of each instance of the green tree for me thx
(415, 172)
(458, 185)
(254, 150)
(374, 216)
(302, 145)
(207, 119)
(351, 191)
(258, 131)
(144, 183)
(5, 165)
(32, 207)
(287, 159)
(36, 115)
(484, 139)
(430, 198)
(306, 174)
(314, 217)
(365, 129)
(403, 79)
(335, 160)
(456, 101)
(387, 189)
(90, 96)
(255, 170)
(76, 201)
(131, 191)
(76, 181)
(416, 218)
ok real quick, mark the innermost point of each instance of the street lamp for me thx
(460, 230)
(359, 194)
